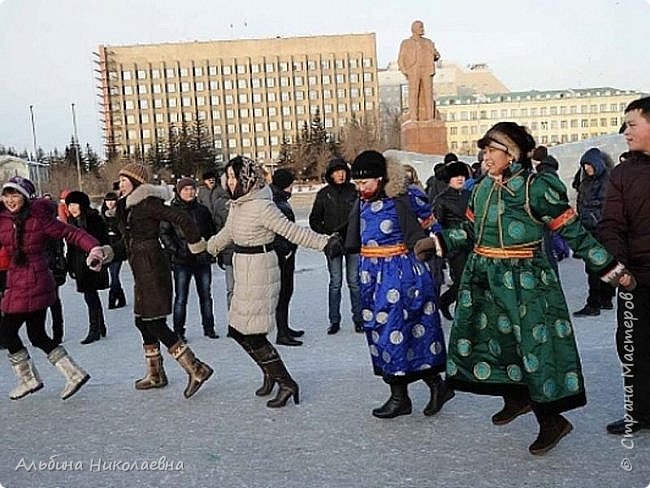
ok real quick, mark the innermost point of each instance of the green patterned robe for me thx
(512, 329)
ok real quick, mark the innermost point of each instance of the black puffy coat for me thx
(623, 228)
(450, 206)
(333, 203)
(591, 191)
(173, 238)
(87, 279)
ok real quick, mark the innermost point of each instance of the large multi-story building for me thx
(553, 117)
(249, 94)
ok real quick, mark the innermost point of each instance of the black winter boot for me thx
(112, 300)
(398, 404)
(93, 332)
(514, 405)
(552, 427)
(120, 299)
(269, 360)
(440, 394)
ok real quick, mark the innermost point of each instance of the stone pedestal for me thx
(424, 136)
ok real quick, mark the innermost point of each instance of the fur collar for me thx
(147, 190)
(396, 175)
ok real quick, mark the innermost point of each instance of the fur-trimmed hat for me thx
(282, 178)
(183, 182)
(137, 173)
(457, 168)
(22, 185)
(509, 137)
(78, 197)
(369, 164)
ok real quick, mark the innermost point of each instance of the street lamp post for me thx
(38, 176)
(77, 149)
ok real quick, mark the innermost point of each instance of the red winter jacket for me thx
(31, 287)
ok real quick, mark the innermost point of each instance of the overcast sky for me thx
(46, 45)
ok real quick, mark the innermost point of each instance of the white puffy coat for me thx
(253, 220)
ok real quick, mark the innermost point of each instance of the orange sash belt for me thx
(383, 251)
(505, 252)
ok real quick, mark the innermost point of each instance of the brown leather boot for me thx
(155, 377)
(198, 372)
(269, 360)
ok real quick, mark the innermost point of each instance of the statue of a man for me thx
(417, 57)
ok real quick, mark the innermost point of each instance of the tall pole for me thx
(38, 169)
(78, 148)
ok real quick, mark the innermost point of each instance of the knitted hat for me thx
(369, 164)
(137, 173)
(450, 158)
(21, 185)
(183, 182)
(79, 198)
(282, 178)
(111, 195)
(509, 137)
(457, 168)
(208, 175)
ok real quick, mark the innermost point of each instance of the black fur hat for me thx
(79, 198)
(457, 168)
(369, 164)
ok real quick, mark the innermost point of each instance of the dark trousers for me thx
(114, 273)
(456, 266)
(600, 292)
(11, 324)
(95, 310)
(287, 267)
(56, 309)
(633, 346)
(250, 342)
(156, 330)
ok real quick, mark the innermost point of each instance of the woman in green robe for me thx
(512, 333)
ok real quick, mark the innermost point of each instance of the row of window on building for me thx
(534, 112)
(241, 83)
(241, 68)
(546, 125)
(242, 113)
(244, 98)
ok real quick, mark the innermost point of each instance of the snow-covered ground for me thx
(110, 435)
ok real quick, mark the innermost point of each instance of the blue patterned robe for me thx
(398, 300)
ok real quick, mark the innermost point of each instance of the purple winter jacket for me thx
(31, 287)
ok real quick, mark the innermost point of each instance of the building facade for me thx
(248, 94)
(553, 117)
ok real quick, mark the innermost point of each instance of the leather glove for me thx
(95, 258)
(334, 247)
(427, 248)
(618, 273)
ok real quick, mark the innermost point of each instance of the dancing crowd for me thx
(499, 227)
